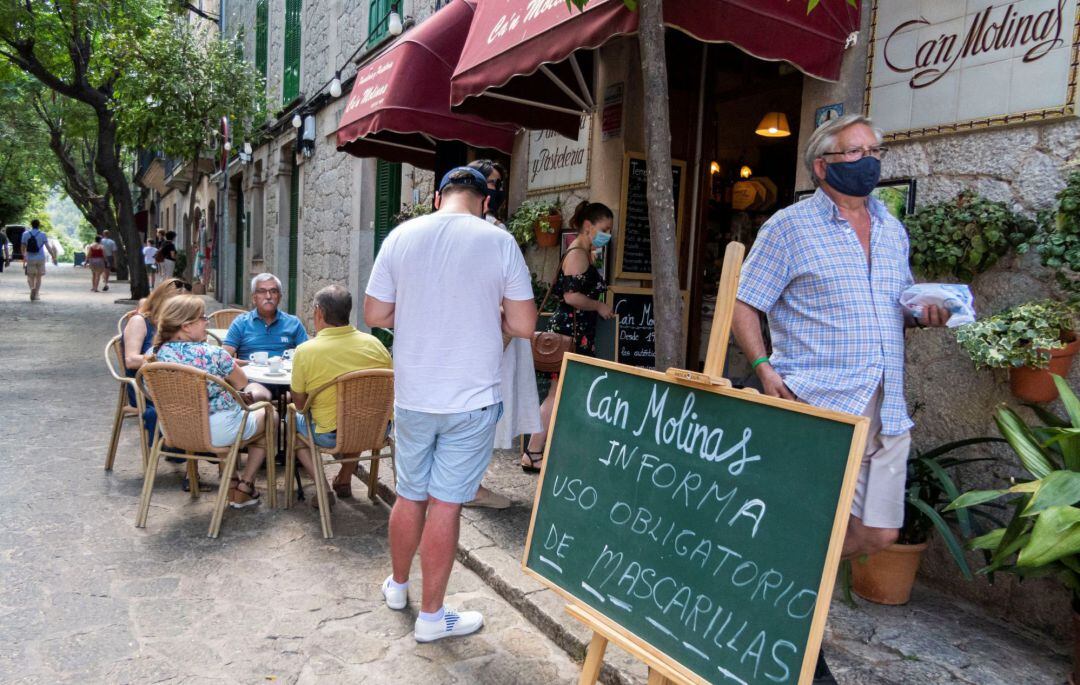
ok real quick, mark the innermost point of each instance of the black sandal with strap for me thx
(240, 497)
(533, 465)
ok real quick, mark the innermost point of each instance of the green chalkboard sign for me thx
(704, 521)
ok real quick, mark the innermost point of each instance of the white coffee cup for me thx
(259, 357)
(275, 364)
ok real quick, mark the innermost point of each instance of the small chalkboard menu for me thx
(635, 330)
(705, 523)
(634, 240)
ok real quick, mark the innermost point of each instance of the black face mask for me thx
(858, 178)
(495, 201)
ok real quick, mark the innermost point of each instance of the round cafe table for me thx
(279, 383)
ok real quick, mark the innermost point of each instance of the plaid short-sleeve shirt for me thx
(836, 323)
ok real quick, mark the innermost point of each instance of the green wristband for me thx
(758, 362)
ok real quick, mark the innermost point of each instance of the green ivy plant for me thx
(963, 237)
(411, 211)
(530, 212)
(1020, 336)
(1059, 244)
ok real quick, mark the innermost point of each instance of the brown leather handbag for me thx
(548, 348)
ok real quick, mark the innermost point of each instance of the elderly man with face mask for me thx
(828, 273)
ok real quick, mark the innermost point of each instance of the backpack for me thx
(159, 256)
(32, 243)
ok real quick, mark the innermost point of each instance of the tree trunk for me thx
(662, 229)
(108, 166)
(193, 228)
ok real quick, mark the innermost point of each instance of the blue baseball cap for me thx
(465, 176)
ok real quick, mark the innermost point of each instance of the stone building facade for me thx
(335, 191)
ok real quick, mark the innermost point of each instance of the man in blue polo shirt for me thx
(264, 328)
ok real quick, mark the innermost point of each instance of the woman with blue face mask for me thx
(577, 290)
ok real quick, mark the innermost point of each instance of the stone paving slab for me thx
(85, 597)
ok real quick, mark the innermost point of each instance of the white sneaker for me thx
(452, 624)
(396, 598)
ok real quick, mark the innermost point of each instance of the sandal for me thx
(240, 497)
(535, 459)
(343, 490)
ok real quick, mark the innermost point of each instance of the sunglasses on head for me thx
(182, 285)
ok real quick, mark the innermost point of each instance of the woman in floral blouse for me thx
(578, 288)
(181, 339)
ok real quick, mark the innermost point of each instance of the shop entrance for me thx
(749, 170)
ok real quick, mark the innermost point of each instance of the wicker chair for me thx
(180, 395)
(123, 321)
(223, 318)
(114, 359)
(365, 404)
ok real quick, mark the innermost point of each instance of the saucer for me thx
(274, 373)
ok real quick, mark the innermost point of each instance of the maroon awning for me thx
(400, 102)
(530, 61)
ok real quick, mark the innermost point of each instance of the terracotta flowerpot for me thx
(887, 577)
(1036, 385)
(545, 239)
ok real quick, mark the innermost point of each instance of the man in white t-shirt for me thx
(450, 284)
(110, 255)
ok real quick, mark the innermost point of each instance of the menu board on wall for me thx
(634, 241)
(635, 325)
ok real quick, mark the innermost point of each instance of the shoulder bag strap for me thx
(554, 279)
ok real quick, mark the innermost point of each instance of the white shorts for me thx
(880, 490)
(224, 425)
(167, 268)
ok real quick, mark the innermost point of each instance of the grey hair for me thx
(824, 138)
(265, 277)
(335, 302)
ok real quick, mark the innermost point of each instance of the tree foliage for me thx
(181, 81)
(26, 167)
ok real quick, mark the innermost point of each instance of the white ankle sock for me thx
(398, 586)
(434, 616)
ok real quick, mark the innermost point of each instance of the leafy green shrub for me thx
(1019, 336)
(411, 212)
(964, 237)
(1059, 244)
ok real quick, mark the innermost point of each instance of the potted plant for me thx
(1042, 539)
(1026, 339)
(537, 220)
(888, 576)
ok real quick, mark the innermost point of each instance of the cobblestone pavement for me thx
(86, 597)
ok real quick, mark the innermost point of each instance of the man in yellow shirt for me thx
(337, 348)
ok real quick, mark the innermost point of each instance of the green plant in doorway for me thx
(965, 236)
(1042, 538)
(411, 211)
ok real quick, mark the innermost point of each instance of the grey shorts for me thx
(879, 492)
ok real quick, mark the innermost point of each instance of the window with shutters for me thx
(378, 20)
(290, 87)
(387, 199)
(262, 19)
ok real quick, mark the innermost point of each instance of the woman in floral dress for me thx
(181, 339)
(578, 289)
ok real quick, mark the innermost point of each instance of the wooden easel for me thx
(661, 671)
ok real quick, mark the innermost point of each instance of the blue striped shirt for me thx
(837, 325)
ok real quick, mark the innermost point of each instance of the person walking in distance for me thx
(110, 256)
(450, 284)
(34, 246)
(166, 256)
(149, 253)
(95, 258)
